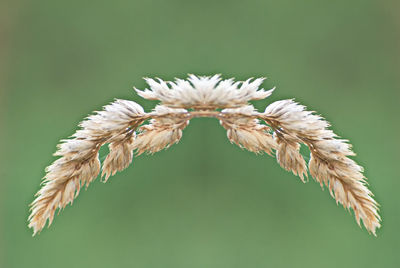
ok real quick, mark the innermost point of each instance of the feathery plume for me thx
(79, 164)
(163, 131)
(122, 125)
(329, 163)
(246, 131)
(204, 92)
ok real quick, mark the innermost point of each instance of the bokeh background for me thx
(203, 202)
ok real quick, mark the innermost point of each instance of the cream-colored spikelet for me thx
(280, 129)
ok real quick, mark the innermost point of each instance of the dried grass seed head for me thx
(127, 128)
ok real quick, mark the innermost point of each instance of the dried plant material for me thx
(289, 157)
(163, 131)
(204, 92)
(329, 163)
(119, 157)
(79, 164)
(281, 128)
(246, 131)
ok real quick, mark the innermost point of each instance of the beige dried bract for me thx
(281, 128)
(204, 92)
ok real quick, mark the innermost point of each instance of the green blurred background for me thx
(203, 202)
